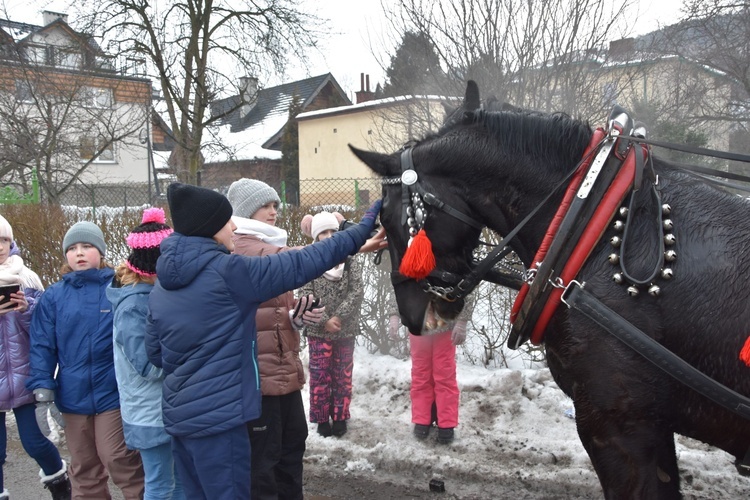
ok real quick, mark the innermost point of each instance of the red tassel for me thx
(418, 261)
(745, 352)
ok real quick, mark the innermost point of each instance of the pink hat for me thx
(144, 241)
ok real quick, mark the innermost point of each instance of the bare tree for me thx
(711, 47)
(197, 49)
(60, 122)
(534, 53)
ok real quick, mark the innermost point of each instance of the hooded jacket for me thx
(71, 331)
(201, 327)
(280, 366)
(138, 380)
(14, 354)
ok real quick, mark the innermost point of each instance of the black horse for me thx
(495, 168)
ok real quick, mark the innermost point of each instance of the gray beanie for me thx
(85, 232)
(248, 195)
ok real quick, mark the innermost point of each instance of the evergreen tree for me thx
(415, 68)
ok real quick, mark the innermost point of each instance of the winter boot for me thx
(324, 429)
(445, 436)
(58, 483)
(339, 428)
(421, 431)
(4, 495)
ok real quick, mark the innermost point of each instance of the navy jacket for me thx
(201, 325)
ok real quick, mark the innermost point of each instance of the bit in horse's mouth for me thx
(433, 323)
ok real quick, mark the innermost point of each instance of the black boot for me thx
(445, 436)
(58, 483)
(324, 429)
(339, 428)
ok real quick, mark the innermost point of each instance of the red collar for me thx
(595, 228)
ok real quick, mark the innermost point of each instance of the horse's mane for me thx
(535, 133)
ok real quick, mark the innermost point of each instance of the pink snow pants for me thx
(433, 379)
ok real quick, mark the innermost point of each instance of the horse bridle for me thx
(413, 200)
(413, 215)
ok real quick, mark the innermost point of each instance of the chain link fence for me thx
(118, 207)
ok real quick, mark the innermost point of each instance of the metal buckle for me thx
(567, 288)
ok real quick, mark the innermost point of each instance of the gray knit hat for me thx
(85, 232)
(248, 195)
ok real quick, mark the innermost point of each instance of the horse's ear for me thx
(385, 165)
(471, 98)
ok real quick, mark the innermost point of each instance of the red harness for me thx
(595, 228)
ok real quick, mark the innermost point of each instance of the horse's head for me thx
(430, 204)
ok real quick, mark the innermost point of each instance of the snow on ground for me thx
(513, 439)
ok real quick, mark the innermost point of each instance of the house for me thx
(329, 172)
(247, 138)
(68, 111)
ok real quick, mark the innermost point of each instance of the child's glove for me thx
(307, 312)
(45, 402)
(372, 214)
(394, 323)
(458, 335)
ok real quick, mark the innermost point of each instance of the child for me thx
(277, 438)
(72, 367)
(201, 330)
(434, 388)
(139, 382)
(331, 341)
(15, 316)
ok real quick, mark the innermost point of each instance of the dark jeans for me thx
(36, 445)
(278, 444)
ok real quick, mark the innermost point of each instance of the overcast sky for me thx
(355, 26)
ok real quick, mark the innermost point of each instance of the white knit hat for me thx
(248, 195)
(5, 230)
(322, 222)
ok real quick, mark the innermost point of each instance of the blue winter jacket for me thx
(201, 327)
(138, 380)
(71, 331)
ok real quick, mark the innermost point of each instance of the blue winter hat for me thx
(85, 232)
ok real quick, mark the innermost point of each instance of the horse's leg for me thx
(620, 415)
(633, 456)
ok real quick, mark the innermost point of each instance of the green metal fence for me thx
(10, 196)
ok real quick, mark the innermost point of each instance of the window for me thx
(24, 91)
(91, 145)
(65, 58)
(96, 97)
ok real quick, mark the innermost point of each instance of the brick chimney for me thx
(248, 94)
(364, 94)
(49, 17)
(622, 49)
